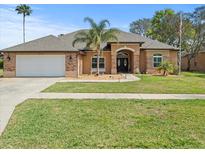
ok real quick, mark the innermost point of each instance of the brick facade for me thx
(197, 63)
(71, 62)
(149, 59)
(76, 63)
(9, 64)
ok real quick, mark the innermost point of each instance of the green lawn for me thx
(187, 83)
(106, 124)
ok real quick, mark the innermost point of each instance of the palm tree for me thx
(166, 67)
(96, 36)
(26, 11)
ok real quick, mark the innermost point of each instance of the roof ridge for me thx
(73, 32)
(147, 38)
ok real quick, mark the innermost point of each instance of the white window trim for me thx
(157, 55)
(102, 70)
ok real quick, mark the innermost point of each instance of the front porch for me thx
(125, 58)
(120, 58)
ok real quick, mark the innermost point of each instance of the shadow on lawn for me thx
(201, 76)
(195, 74)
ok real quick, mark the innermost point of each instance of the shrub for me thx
(175, 70)
(166, 67)
(1, 63)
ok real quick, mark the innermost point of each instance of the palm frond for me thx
(84, 37)
(81, 34)
(103, 24)
(98, 34)
(91, 22)
(23, 9)
(78, 40)
(110, 35)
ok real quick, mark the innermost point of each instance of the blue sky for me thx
(56, 19)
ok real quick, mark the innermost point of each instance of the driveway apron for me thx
(14, 91)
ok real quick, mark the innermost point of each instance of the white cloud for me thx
(11, 27)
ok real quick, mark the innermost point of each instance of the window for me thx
(101, 62)
(157, 59)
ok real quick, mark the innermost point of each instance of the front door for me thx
(122, 65)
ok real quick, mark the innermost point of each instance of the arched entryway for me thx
(123, 61)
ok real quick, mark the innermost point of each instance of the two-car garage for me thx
(48, 56)
(40, 65)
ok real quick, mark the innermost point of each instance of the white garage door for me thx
(40, 65)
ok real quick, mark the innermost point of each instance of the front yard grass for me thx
(44, 123)
(187, 83)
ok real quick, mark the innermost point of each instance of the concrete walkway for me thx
(128, 78)
(115, 96)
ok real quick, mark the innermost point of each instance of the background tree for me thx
(96, 36)
(162, 26)
(196, 40)
(140, 26)
(25, 10)
(165, 28)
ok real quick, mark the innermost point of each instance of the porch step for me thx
(130, 76)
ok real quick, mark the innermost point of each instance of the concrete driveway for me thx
(14, 91)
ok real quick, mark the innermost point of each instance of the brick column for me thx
(113, 63)
(136, 61)
(71, 64)
(9, 65)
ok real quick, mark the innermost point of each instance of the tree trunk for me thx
(188, 64)
(164, 73)
(23, 28)
(98, 62)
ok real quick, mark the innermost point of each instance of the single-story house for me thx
(55, 56)
(197, 63)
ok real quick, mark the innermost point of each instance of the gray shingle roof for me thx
(124, 37)
(48, 43)
(64, 43)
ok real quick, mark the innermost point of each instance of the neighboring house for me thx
(1, 60)
(1, 55)
(197, 63)
(55, 56)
